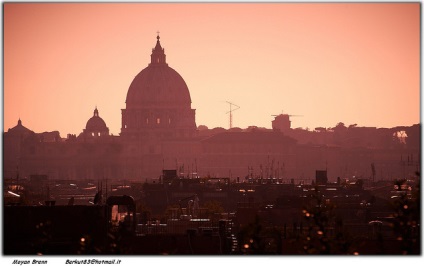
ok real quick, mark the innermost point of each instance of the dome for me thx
(19, 129)
(96, 124)
(158, 103)
(158, 85)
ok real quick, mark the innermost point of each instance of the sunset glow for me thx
(356, 63)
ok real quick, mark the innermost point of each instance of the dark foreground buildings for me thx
(245, 179)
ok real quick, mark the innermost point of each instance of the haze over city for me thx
(211, 129)
(356, 63)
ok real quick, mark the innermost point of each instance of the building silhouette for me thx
(96, 127)
(159, 132)
(158, 103)
(260, 188)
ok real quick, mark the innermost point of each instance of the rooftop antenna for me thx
(231, 112)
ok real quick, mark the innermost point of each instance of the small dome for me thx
(96, 125)
(19, 129)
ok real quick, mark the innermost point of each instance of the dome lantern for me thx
(158, 53)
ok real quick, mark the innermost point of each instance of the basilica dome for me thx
(158, 103)
(158, 85)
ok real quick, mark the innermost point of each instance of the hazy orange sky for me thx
(357, 63)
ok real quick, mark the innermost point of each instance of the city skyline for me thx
(357, 63)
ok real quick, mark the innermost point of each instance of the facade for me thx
(158, 123)
(249, 154)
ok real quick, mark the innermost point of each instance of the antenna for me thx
(231, 112)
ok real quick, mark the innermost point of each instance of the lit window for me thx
(147, 120)
(157, 120)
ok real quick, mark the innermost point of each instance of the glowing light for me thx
(14, 194)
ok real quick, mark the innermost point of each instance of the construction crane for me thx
(282, 113)
(231, 112)
(282, 121)
(287, 115)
